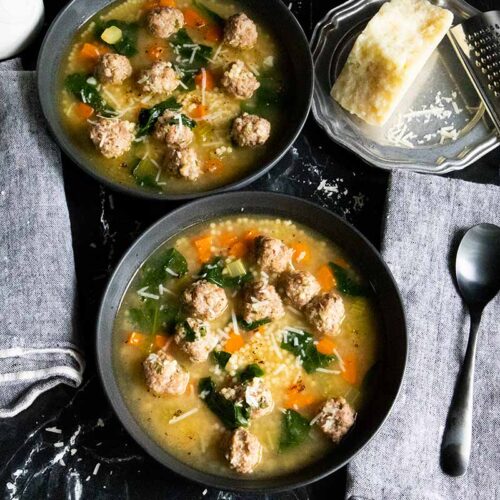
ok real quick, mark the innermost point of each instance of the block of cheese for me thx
(387, 56)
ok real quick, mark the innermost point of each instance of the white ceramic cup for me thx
(20, 21)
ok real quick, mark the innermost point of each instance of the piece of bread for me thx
(387, 56)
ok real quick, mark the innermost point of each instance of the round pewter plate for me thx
(439, 126)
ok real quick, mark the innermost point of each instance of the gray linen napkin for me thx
(38, 347)
(426, 215)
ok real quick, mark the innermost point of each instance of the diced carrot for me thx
(83, 111)
(234, 343)
(325, 278)
(199, 112)
(350, 374)
(261, 328)
(153, 4)
(297, 397)
(227, 239)
(301, 253)
(193, 19)
(135, 339)
(213, 165)
(250, 235)
(204, 248)
(161, 341)
(155, 51)
(238, 250)
(212, 33)
(209, 79)
(90, 51)
(326, 345)
(166, 3)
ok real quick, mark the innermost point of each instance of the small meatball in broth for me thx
(250, 130)
(255, 394)
(112, 137)
(164, 375)
(174, 134)
(298, 287)
(239, 81)
(244, 451)
(240, 32)
(161, 78)
(326, 313)
(204, 300)
(196, 339)
(113, 68)
(336, 418)
(163, 22)
(272, 255)
(260, 301)
(182, 163)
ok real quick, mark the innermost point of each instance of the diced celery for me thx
(236, 268)
(112, 35)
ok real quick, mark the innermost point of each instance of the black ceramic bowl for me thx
(273, 13)
(331, 226)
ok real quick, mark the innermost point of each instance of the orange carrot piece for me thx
(233, 343)
(227, 239)
(238, 250)
(326, 345)
(166, 3)
(212, 33)
(350, 374)
(193, 19)
(155, 51)
(213, 165)
(325, 278)
(341, 262)
(250, 235)
(297, 397)
(204, 248)
(301, 253)
(83, 111)
(135, 339)
(161, 341)
(91, 52)
(199, 112)
(209, 79)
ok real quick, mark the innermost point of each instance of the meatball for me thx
(113, 68)
(272, 255)
(164, 375)
(325, 312)
(250, 130)
(239, 81)
(298, 287)
(244, 451)
(261, 301)
(172, 131)
(254, 393)
(240, 32)
(112, 137)
(204, 300)
(195, 338)
(336, 418)
(182, 163)
(161, 78)
(164, 21)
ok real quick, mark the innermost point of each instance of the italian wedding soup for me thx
(246, 346)
(174, 96)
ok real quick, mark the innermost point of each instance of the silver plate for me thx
(439, 126)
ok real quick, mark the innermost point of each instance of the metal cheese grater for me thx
(477, 44)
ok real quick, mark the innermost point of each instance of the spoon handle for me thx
(457, 437)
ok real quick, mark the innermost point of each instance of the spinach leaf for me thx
(148, 117)
(154, 316)
(145, 173)
(188, 64)
(189, 334)
(294, 430)
(254, 324)
(250, 372)
(188, 122)
(127, 46)
(161, 267)
(347, 282)
(232, 415)
(302, 346)
(212, 272)
(78, 85)
(268, 97)
(221, 357)
(210, 14)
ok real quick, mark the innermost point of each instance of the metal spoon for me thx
(478, 277)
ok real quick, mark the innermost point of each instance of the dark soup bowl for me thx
(380, 391)
(75, 95)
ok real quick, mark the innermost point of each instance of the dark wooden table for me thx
(104, 224)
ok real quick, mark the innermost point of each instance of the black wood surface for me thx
(104, 224)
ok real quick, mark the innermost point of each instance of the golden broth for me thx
(212, 133)
(196, 439)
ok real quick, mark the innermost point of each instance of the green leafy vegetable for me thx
(232, 415)
(302, 346)
(78, 84)
(254, 324)
(189, 64)
(294, 430)
(188, 122)
(250, 372)
(127, 45)
(189, 333)
(145, 173)
(148, 117)
(347, 282)
(213, 272)
(221, 357)
(153, 316)
(169, 264)
(210, 14)
(268, 97)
